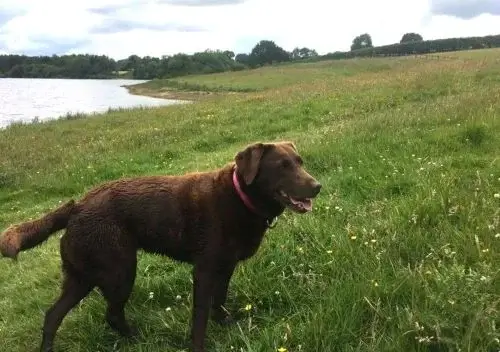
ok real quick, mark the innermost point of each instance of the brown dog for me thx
(212, 220)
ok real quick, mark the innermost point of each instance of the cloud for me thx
(6, 16)
(52, 33)
(105, 10)
(201, 2)
(113, 7)
(120, 26)
(39, 45)
(465, 9)
(44, 47)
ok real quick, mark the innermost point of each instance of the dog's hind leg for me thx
(73, 291)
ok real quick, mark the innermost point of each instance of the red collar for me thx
(244, 198)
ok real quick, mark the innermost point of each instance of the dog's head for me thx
(276, 170)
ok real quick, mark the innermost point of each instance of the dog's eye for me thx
(300, 161)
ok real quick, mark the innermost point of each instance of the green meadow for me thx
(400, 253)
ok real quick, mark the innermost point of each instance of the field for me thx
(401, 251)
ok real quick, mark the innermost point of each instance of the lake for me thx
(23, 99)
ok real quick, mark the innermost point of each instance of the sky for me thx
(120, 28)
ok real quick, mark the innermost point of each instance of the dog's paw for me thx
(123, 328)
(131, 332)
(222, 317)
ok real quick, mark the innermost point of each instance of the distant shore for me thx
(166, 93)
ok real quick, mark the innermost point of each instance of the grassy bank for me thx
(399, 254)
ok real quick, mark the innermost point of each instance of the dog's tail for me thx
(29, 234)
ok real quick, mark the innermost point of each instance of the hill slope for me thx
(399, 254)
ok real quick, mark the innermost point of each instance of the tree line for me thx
(67, 66)
(413, 44)
(93, 66)
(265, 52)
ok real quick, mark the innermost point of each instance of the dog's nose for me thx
(316, 187)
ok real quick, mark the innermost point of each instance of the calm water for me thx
(23, 99)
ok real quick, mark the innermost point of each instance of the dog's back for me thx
(178, 216)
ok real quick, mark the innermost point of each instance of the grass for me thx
(401, 252)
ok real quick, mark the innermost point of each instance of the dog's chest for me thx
(246, 242)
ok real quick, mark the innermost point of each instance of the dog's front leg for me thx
(203, 285)
(223, 277)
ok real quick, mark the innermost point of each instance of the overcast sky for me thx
(119, 28)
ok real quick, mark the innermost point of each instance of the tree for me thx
(303, 53)
(66, 66)
(16, 71)
(267, 52)
(361, 42)
(411, 37)
(242, 58)
(132, 61)
(229, 54)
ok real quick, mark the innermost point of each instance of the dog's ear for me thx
(248, 161)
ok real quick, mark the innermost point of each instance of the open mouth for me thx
(300, 205)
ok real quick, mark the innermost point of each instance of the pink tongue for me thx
(306, 204)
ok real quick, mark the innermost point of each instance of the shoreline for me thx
(162, 94)
(170, 94)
